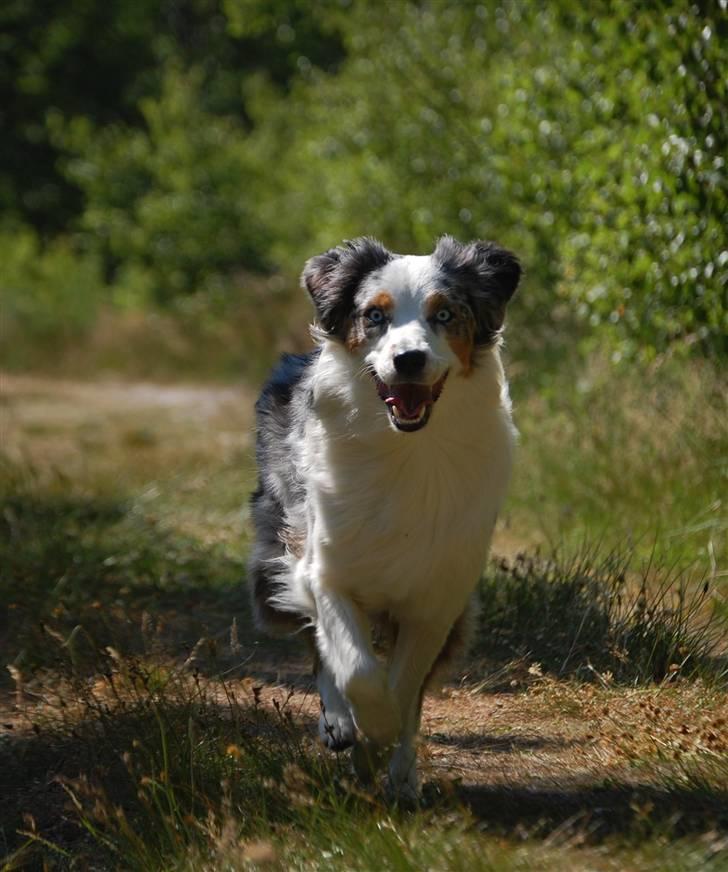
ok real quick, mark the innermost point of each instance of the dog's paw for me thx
(404, 784)
(336, 729)
(367, 759)
(375, 710)
(404, 795)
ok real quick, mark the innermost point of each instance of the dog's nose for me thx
(410, 363)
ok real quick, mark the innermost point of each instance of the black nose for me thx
(410, 363)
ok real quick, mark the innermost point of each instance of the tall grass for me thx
(633, 456)
(595, 615)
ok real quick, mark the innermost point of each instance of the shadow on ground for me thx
(80, 575)
(33, 767)
(600, 810)
(501, 742)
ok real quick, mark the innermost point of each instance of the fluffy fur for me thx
(384, 457)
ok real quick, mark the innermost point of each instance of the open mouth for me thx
(409, 404)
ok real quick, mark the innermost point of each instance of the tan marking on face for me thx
(461, 343)
(434, 303)
(460, 332)
(357, 336)
(383, 300)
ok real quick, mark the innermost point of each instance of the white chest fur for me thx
(402, 521)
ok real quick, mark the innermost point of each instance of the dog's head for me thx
(411, 321)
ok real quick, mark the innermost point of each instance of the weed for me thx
(594, 617)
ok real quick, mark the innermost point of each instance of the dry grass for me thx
(141, 730)
(603, 616)
(636, 458)
(160, 764)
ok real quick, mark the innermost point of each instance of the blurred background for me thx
(166, 167)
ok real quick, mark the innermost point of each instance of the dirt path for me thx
(47, 417)
(554, 751)
(551, 749)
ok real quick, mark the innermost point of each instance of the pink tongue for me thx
(409, 398)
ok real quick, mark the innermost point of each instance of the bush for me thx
(591, 143)
(48, 296)
(172, 206)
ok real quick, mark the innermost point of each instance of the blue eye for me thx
(374, 315)
(443, 316)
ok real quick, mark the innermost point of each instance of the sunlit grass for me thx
(148, 727)
(634, 457)
(164, 769)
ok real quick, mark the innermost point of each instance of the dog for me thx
(384, 456)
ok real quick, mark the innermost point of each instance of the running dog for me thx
(384, 456)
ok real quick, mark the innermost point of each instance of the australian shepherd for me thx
(384, 456)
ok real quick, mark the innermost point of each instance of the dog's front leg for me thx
(415, 652)
(343, 636)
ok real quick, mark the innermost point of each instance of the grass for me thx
(594, 615)
(100, 565)
(158, 767)
(144, 725)
(634, 457)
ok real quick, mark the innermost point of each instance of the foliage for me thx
(50, 295)
(594, 145)
(173, 206)
(82, 60)
(217, 137)
(648, 251)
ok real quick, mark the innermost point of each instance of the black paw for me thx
(336, 731)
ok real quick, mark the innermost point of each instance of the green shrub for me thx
(49, 296)
(173, 205)
(591, 143)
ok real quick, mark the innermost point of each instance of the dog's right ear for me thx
(333, 278)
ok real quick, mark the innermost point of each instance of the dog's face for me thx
(411, 322)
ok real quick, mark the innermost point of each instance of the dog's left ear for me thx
(332, 279)
(487, 274)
